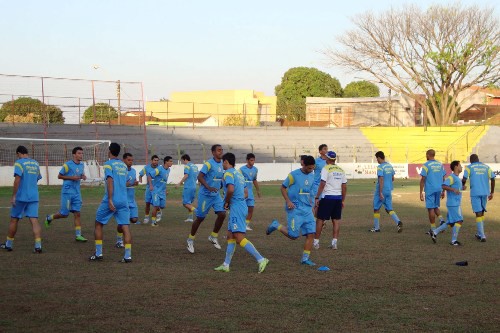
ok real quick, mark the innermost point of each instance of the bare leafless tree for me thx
(426, 54)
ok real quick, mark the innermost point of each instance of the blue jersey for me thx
(320, 164)
(191, 170)
(434, 173)
(250, 175)
(29, 171)
(479, 175)
(71, 169)
(117, 170)
(213, 173)
(235, 178)
(453, 199)
(299, 187)
(160, 178)
(385, 170)
(131, 178)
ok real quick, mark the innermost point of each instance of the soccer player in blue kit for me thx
(189, 181)
(480, 191)
(234, 201)
(24, 198)
(210, 179)
(432, 176)
(147, 195)
(158, 179)
(72, 172)
(452, 185)
(383, 193)
(250, 172)
(132, 182)
(114, 204)
(320, 163)
(296, 190)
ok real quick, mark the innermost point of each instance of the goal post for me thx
(51, 154)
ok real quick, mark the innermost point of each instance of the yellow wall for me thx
(227, 106)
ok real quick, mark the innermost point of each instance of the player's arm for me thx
(464, 181)
(110, 188)
(229, 195)
(284, 193)
(451, 189)
(381, 186)
(256, 184)
(150, 183)
(182, 180)
(15, 188)
(492, 189)
(344, 193)
(203, 181)
(64, 171)
(320, 190)
(422, 184)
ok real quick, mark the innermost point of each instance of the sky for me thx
(178, 45)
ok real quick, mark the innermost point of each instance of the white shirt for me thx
(334, 177)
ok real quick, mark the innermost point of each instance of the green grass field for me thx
(378, 282)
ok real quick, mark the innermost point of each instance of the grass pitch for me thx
(378, 282)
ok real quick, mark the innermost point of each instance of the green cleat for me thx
(80, 239)
(263, 265)
(222, 268)
(47, 222)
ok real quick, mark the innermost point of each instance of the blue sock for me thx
(98, 247)
(305, 255)
(456, 230)
(247, 245)
(394, 216)
(128, 251)
(38, 243)
(480, 226)
(9, 242)
(231, 247)
(119, 237)
(441, 228)
(376, 221)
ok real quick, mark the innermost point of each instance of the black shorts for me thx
(329, 209)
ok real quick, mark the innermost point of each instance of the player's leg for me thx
(479, 207)
(187, 201)
(250, 248)
(62, 213)
(122, 217)
(31, 212)
(336, 215)
(388, 208)
(103, 215)
(16, 213)
(248, 219)
(322, 214)
(119, 237)
(201, 213)
(307, 226)
(230, 249)
(290, 230)
(218, 206)
(377, 204)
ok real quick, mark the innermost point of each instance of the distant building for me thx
(226, 107)
(364, 111)
(476, 95)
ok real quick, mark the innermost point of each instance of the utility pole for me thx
(389, 101)
(119, 100)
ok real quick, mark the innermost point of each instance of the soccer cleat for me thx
(37, 250)
(190, 245)
(316, 246)
(158, 217)
(333, 246)
(456, 243)
(222, 268)
(429, 232)
(441, 223)
(95, 257)
(308, 262)
(248, 228)
(119, 245)
(272, 227)
(80, 239)
(137, 222)
(47, 222)
(483, 240)
(263, 265)
(154, 224)
(126, 260)
(374, 230)
(433, 235)
(146, 220)
(5, 247)
(214, 241)
(189, 219)
(477, 237)
(400, 226)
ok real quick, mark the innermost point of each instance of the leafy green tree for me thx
(30, 110)
(301, 82)
(361, 89)
(442, 50)
(103, 113)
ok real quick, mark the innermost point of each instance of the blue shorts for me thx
(237, 217)
(188, 195)
(300, 222)
(23, 208)
(479, 203)
(148, 198)
(329, 209)
(454, 214)
(134, 211)
(206, 202)
(250, 202)
(387, 202)
(70, 203)
(158, 201)
(121, 214)
(433, 200)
